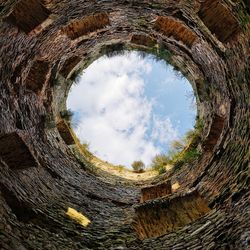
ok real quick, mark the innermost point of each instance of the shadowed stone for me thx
(65, 132)
(15, 153)
(219, 19)
(33, 201)
(156, 191)
(37, 75)
(28, 14)
(69, 65)
(214, 133)
(161, 216)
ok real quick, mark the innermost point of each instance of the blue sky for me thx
(130, 108)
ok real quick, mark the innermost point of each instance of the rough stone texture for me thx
(156, 191)
(143, 40)
(37, 75)
(15, 153)
(159, 217)
(218, 18)
(33, 201)
(64, 131)
(214, 132)
(69, 65)
(27, 15)
(88, 24)
(170, 27)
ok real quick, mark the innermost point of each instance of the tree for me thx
(138, 166)
(159, 161)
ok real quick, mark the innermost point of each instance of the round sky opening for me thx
(131, 107)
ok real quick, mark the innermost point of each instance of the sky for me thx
(130, 108)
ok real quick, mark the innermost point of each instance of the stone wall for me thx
(40, 178)
(156, 191)
(162, 216)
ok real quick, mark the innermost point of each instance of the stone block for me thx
(219, 19)
(65, 132)
(86, 25)
(156, 191)
(214, 133)
(158, 217)
(69, 65)
(37, 75)
(176, 29)
(143, 40)
(15, 153)
(28, 14)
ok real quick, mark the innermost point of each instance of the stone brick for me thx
(86, 25)
(214, 133)
(65, 132)
(179, 31)
(162, 216)
(37, 75)
(69, 65)
(156, 191)
(15, 153)
(219, 19)
(28, 14)
(143, 40)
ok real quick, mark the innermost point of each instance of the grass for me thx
(120, 168)
(182, 151)
(84, 148)
(185, 151)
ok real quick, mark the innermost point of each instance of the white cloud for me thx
(163, 130)
(116, 117)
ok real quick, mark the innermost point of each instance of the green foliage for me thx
(113, 50)
(67, 115)
(161, 170)
(84, 148)
(181, 151)
(120, 168)
(178, 145)
(161, 53)
(178, 164)
(159, 162)
(85, 145)
(199, 125)
(76, 76)
(56, 82)
(244, 18)
(190, 155)
(184, 151)
(138, 166)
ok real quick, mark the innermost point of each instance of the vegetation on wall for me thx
(138, 166)
(67, 115)
(182, 151)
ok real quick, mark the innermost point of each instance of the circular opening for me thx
(131, 107)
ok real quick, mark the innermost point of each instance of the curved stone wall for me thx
(44, 43)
